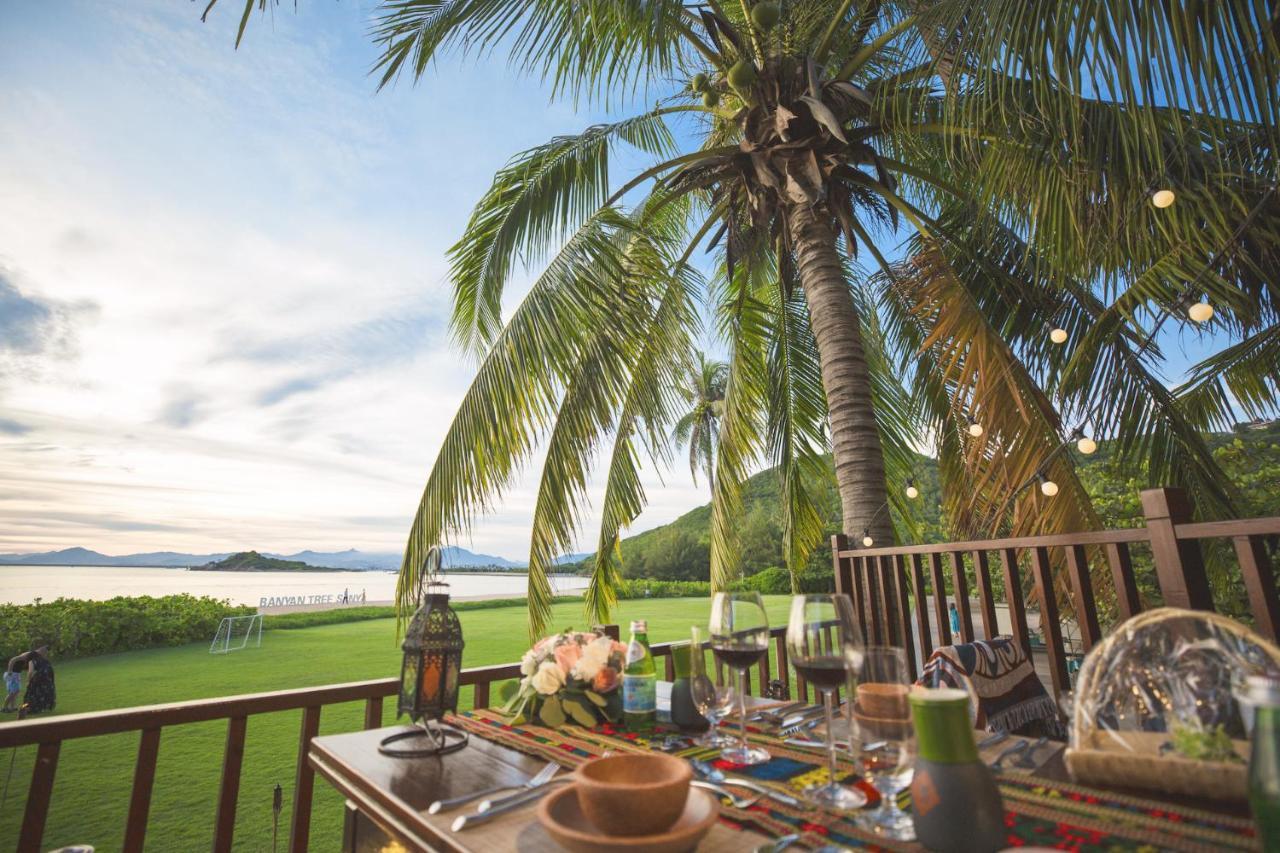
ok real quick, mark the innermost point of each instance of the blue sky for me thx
(222, 280)
(223, 295)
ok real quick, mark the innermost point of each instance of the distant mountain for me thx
(252, 561)
(454, 558)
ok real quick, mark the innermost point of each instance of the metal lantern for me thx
(432, 668)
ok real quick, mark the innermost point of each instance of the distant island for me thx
(252, 561)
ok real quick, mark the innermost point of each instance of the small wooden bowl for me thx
(889, 728)
(633, 794)
(888, 701)
(560, 814)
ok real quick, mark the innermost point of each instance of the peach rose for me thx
(567, 655)
(606, 679)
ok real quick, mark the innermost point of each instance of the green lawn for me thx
(91, 793)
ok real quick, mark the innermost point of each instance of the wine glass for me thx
(825, 645)
(740, 637)
(884, 743)
(713, 695)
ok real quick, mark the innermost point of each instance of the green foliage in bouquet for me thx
(569, 677)
(1212, 744)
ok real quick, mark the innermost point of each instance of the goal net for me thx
(235, 633)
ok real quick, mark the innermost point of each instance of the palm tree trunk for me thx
(855, 440)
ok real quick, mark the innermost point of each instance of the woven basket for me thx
(1097, 757)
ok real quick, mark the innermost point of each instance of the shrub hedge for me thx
(75, 628)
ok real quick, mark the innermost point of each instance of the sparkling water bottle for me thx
(639, 681)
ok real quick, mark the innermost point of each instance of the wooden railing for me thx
(48, 734)
(892, 587)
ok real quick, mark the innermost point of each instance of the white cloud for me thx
(242, 254)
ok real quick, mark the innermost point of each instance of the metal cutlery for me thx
(1008, 753)
(734, 799)
(714, 774)
(1028, 757)
(805, 725)
(533, 782)
(511, 804)
(521, 796)
(992, 740)
(776, 714)
(779, 845)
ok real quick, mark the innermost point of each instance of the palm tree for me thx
(902, 197)
(703, 393)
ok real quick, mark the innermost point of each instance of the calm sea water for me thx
(24, 584)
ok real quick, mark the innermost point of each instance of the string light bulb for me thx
(867, 541)
(1162, 198)
(1047, 487)
(1058, 336)
(912, 491)
(1200, 312)
(1086, 445)
(975, 428)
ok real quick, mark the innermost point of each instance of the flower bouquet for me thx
(570, 676)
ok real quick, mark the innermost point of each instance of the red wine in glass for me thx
(738, 657)
(823, 671)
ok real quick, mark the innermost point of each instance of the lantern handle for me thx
(430, 573)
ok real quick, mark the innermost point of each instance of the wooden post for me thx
(1050, 627)
(922, 608)
(1082, 589)
(1179, 564)
(304, 782)
(1259, 583)
(904, 612)
(38, 797)
(1013, 595)
(229, 793)
(940, 600)
(842, 566)
(960, 586)
(986, 598)
(144, 776)
(1127, 601)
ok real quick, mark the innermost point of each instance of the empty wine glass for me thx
(825, 644)
(739, 638)
(713, 694)
(884, 743)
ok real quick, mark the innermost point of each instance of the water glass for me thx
(713, 695)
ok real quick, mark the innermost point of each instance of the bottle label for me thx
(639, 694)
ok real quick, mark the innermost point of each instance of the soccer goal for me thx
(234, 633)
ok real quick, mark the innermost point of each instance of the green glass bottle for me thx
(639, 681)
(1264, 775)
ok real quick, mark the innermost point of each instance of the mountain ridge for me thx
(454, 558)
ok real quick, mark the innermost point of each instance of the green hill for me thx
(680, 550)
(252, 561)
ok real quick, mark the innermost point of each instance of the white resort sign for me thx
(294, 600)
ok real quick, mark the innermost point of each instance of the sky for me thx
(223, 285)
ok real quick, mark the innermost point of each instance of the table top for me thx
(395, 792)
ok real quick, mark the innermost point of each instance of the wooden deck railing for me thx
(48, 734)
(892, 587)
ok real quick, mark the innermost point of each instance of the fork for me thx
(777, 714)
(714, 774)
(541, 777)
(734, 800)
(1008, 753)
(1028, 759)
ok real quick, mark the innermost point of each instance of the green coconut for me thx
(710, 98)
(699, 83)
(765, 15)
(742, 76)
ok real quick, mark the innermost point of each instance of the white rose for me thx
(529, 663)
(548, 679)
(595, 655)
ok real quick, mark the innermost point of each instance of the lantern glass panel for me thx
(408, 685)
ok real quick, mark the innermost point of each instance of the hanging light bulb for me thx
(1200, 312)
(1086, 445)
(912, 491)
(1047, 487)
(975, 428)
(867, 541)
(1162, 198)
(1058, 336)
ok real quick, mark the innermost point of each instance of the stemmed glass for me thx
(885, 738)
(825, 645)
(713, 696)
(740, 637)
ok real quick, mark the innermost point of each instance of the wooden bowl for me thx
(633, 794)
(887, 701)
(560, 814)
(890, 728)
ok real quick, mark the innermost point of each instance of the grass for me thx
(91, 791)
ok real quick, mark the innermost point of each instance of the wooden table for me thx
(392, 795)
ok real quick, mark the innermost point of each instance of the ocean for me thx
(24, 584)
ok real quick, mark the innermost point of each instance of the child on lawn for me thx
(13, 682)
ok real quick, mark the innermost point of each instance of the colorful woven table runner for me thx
(1038, 812)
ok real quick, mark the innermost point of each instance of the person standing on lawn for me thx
(955, 618)
(13, 682)
(41, 695)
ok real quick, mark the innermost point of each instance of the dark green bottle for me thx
(1264, 775)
